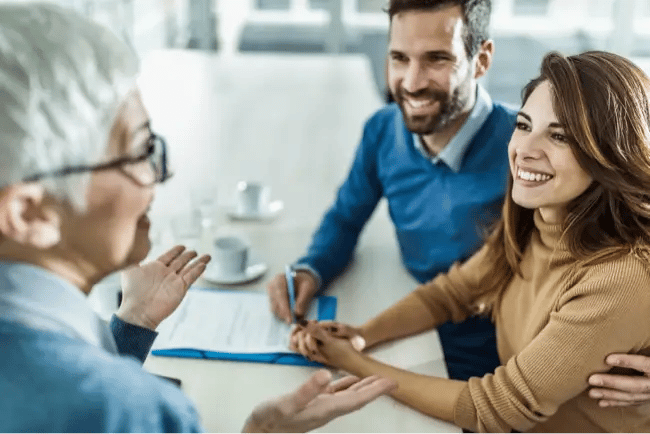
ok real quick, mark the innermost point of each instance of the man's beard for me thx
(451, 106)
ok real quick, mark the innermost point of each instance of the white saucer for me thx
(254, 270)
(269, 214)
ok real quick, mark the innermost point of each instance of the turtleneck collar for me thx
(550, 234)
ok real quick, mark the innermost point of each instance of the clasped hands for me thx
(327, 342)
(334, 344)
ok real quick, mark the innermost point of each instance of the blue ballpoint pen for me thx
(288, 273)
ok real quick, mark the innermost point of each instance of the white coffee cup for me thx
(252, 198)
(230, 256)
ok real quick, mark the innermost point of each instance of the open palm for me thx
(152, 291)
(316, 402)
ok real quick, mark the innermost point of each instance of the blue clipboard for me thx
(326, 311)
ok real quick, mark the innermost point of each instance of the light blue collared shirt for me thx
(39, 299)
(60, 370)
(452, 154)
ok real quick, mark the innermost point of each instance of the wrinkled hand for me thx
(305, 286)
(151, 292)
(316, 403)
(622, 390)
(315, 341)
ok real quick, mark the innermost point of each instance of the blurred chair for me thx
(202, 25)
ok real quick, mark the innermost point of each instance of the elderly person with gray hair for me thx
(79, 163)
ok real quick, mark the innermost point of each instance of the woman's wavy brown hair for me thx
(603, 102)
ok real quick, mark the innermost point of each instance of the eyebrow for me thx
(529, 119)
(524, 115)
(438, 53)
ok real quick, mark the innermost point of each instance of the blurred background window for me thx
(522, 29)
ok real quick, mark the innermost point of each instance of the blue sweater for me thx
(439, 215)
(53, 383)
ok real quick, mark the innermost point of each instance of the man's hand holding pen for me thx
(305, 287)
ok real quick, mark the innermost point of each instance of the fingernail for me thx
(613, 360)
(603, 404)
(595, 394)
(595, 381)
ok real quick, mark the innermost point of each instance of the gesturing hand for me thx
(151, 292)
(316, 402)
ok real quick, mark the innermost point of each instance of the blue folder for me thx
(326, 311)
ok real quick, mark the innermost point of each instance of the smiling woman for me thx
(596, 108)
(565, 274)
(546, 174)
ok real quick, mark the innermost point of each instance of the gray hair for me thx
(62, 80)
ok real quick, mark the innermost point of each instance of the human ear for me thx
(483, 59)
(26, 218)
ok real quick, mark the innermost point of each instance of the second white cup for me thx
(230, 256)
(252, 198)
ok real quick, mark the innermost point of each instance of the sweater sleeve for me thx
(334, 241)
(606, 311)
(455, 295)
(132, 340)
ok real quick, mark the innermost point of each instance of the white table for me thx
(291, 121)
(294, 123)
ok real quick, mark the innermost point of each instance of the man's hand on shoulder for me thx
(613, 390)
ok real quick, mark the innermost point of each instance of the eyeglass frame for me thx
(118, 163)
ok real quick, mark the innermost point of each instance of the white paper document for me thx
(226, 322)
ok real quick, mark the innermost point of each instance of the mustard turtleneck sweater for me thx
(553, 331)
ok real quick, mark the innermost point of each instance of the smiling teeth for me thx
(529, 176)
(418, 104)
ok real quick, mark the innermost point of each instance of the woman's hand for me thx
(151, 292)
(341, 330)
(317, 342)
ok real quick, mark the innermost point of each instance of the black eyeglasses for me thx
(155, 172)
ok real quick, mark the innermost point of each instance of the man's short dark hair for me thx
(476, 16)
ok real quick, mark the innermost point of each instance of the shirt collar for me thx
(452, 154)
(39, 299)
